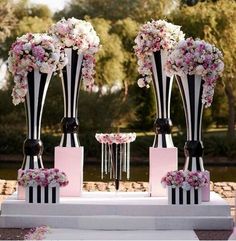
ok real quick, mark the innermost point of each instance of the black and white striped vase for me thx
(162, 87)
(71, 76)
(180, 196)
(33, 147)
(191, 88)
(39, 194)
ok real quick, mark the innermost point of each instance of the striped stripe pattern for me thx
(71, 85)
(37, 88)
(162, 87)
(191, 87)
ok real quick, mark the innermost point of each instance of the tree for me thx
(110, 58)
(7, 19)
(216, 23)
(139, 10)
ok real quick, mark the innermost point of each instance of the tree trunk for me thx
(231, 108)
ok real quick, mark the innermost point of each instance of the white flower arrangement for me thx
(79, 35)
(33, 52)
(197, 57)
(154, 36)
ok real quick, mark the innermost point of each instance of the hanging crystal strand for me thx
(102, 166)
(105, 158)
(124, 157)
(128, 160)
(116, 164)
(110, 160)
(121, 159)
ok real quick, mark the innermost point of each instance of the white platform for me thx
(76, 234)
(117, 211)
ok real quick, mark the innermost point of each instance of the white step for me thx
(121, 211)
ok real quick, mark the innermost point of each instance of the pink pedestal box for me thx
(161, 160)
(206, 189)
(70, 160)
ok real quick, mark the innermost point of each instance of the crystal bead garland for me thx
(115, 155)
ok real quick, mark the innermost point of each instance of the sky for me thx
(54, 5)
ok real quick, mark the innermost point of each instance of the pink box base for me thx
(161, 160)
(70, 160)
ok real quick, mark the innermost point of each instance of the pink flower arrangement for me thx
(173, 178)
(116, 138)
(185, 179)
(29, 52)
(42, 177)
(197, 57)
(38, 233)
(154, 36)
(79, 35)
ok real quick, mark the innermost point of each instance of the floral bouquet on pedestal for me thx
(184, 187)
(32, 60)
(81, 43)
(153, 42)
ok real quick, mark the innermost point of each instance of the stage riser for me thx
(112, 211)
(119, 223)
(132, 210)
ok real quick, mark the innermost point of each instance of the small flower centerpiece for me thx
(154, 40)
(154, 36)
(31, 52)
(184, 187)
(197, 57)
(115, 157)
(42, 185)
(80, 42)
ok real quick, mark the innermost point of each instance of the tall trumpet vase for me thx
(33, 147)
(162, 88)
(71, 77)
(191, 88)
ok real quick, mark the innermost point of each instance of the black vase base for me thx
(70, 125)
(33, 147)
(163, 126)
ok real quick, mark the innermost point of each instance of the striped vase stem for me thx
(33, 147)
(191, 88)
(71, 76)
(162, 88)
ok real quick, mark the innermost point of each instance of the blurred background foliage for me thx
(120, 105)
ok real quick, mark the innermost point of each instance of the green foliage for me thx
(145, 114)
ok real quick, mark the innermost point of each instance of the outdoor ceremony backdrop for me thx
(119, 104)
